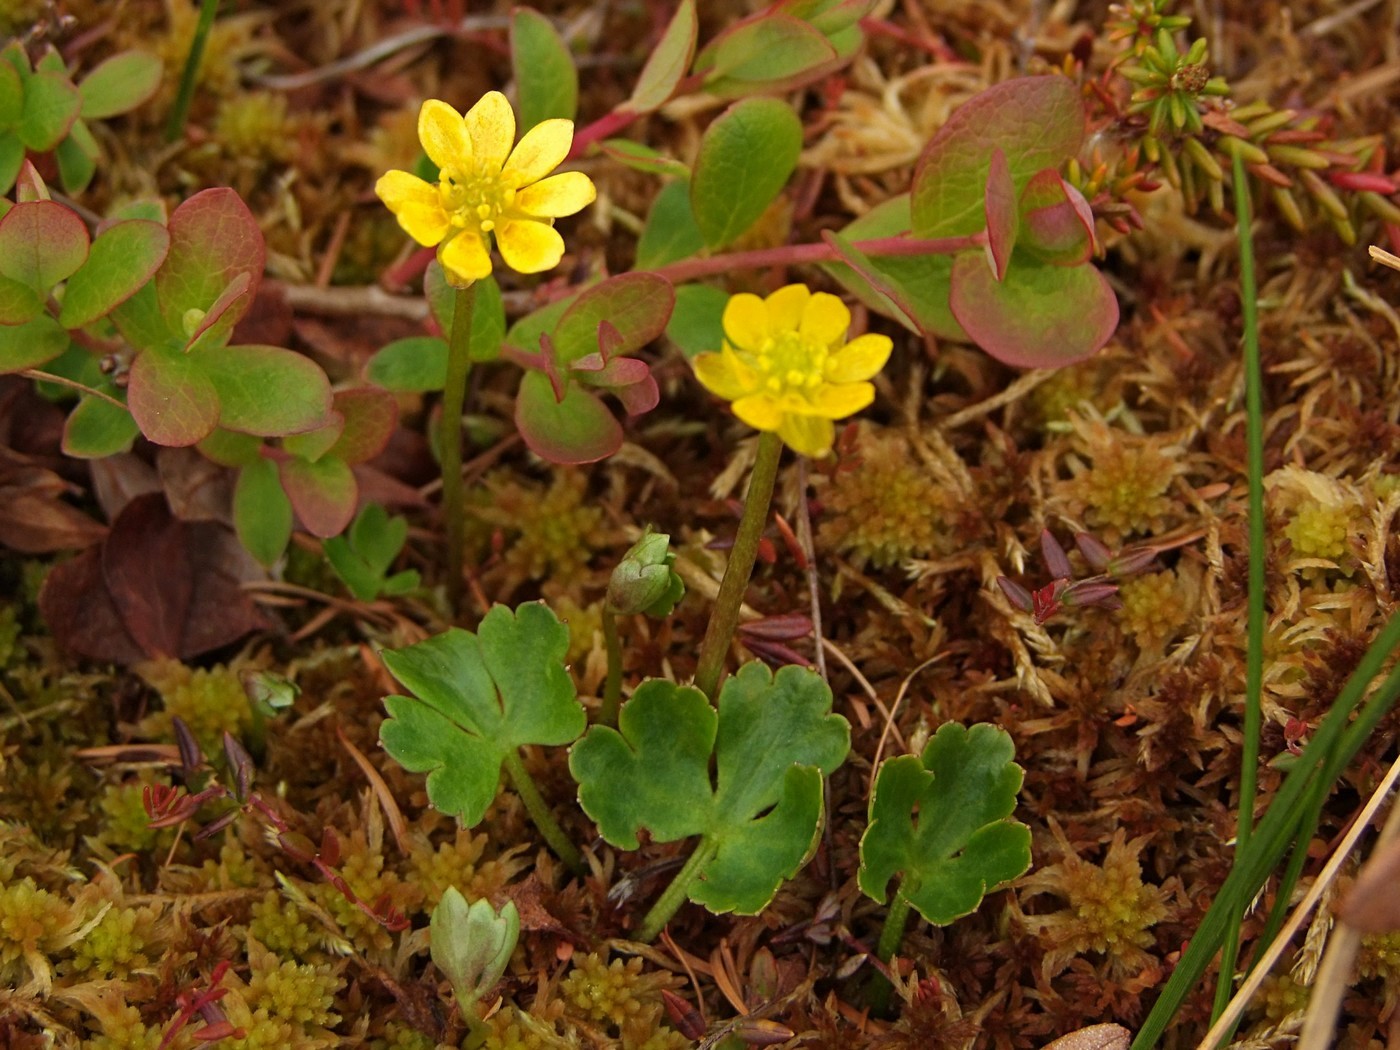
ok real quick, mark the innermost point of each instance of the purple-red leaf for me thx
(41, 243)
(170, 397)
(1002, 218)
(323, 493)
(1057, 224)
(637, 305)
(213, 239)
(370, 417)
(578, 429)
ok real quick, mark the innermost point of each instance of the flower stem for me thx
(794, 254)
(529, 793)
(725, 617)
(675, 894)
(893, 931)
(612, 687)
(454, 397)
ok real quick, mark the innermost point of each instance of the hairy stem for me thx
(543, 819)
(896, 919)
(454, 398)
(675, 894)
(612, 687)
(725, 616)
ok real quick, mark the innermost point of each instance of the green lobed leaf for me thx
(697, 322)
(266, 390)
(942, 822)
(670, 233)
(262, 514)
(475, 698)
(363, 555)
(745, 158)
(124, 257)
(323, 493)
(30, 344)
(51, 104)
(414, 365)
(578, 429)
(546, 80)
(120, 83)
(77, 158)
(488, 313)
(41, 244)
(1037, 122)
(772, 739)
(171, 398)
(668, 61)
(636, 305)
(1040, 316)
(214, 240)
(96, 429)
(642, 158)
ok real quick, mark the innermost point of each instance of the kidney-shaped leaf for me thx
(745, 158)
(266, 390)
(942, 821)
(123, 257)
(1040, 316)
(636, 305)
(772, 738)
(476, 697)
(213, 240)
(41, 243)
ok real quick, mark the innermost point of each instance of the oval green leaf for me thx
(170, 397)
(266, 390)
(414, 365)
(668, 61)
(96, 429)
(697, 322)
(578, 429)
(370, 416)
(30, 344)
(214, 239)
(746, 156)
(77, 158)
(51, 104)
(120, 83)
(123, 258)
(670, 233)
(41, 244)
(262, 514)
(545, 78)
(636, 305)
(322, 493)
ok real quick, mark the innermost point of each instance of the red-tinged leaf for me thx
(229, 449)
(221, 612)
(120, 83)
(766, 52)
(627, 378)
(266, 390)
(322, 493)
(370, 417)
(41, 244)
(98, 428)
(1002, 218)
(124, 257)
(262, 514)
(1041, 316)
(313, 444)
(1038, 122)
(51, 104)
(578, 429)
(1056, 221)
(637, 305)
(81, 615)
(35, 519)
(643, 158)
(146, 569)
(213, 239)
(30, 185)
(171, 397)
(214, 328)
(30, 344)
(668, 61)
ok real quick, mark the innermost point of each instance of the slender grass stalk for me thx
(676, 893)
(543, 819)
(454, 398)
(612, 686)
(725, 617)
(1254, 653)
(181, 110)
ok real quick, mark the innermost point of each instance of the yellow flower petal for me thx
(444, 136)
(809, 435)
(491, 124)
(859, 359)
(724, 374)
(745, 321)
(785, 308)
(837, 401)
(759, 411)
(541, 150)
(558, 195)
(528, 246)
(825, 319)
(415, 204)
(465, 258)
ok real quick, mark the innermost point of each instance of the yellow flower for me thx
(787, 367)
(486, 188)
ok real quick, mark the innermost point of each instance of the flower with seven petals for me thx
(786, 366)
(487, 188)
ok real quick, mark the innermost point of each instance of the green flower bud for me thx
(472, 945)
(644, 581)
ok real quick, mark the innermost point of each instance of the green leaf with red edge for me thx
(30, 344)
(120, 83)
(1003, 220)
(18, 302)
(578, 429)
(668, 61)
(1040, 316)
(1038, 122)
(213, 240)
(11, 96)
(313, 444)
(1057, 224)
(266, 390)
(41, 244)
(546, 80)
(211, 329)
(141, 323)
(768, 51)
(30, 185)
(370, 417)
(322, 493)
(829, 16)
(642, 158)
(51, 105)
(262, 514)
(746, 156)
(77, 157)
(488, 313)
(97, 428)
(170, 396)
(230, 449)
(415, 365)
(124, 257)
(637, 305)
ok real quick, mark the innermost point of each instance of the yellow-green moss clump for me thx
(211, 702)
(458, 863)
(33, 923)
(115, 946)
(623, 998)
(1122, 491)
(550, 533)
(886, 509)
(281, 926)
(1155, 607)
(1280, 996)
(1317, 530)
(253, 126)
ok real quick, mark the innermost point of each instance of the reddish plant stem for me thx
(796, 254)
